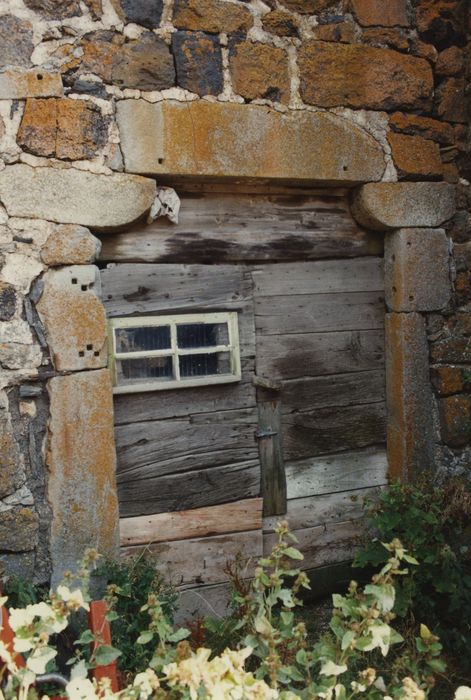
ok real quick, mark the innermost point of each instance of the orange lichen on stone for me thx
(422, 126)
(350, 75)
(211, 16)
(448, 380)
(260, 71)
(18, 84)
(415, 158)
(81, 462)
(455, 420)
(392, 13)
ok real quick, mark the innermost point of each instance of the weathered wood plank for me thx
(338, 472)
(324, 544)
(271, 457)
(313, 354)
(183, 491)
(186, 524)
(136, 289)
(134, 408)
(202, 561)
(203, 601)
(320, 277)
(224, 227)
(311, 433)
(182, 444)
(333, 390)
(318, 313)
(320, 510)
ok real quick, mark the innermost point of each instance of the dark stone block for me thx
(147, 13)
(7, 302)
(16, 41)
(198, 61)
(145, 64)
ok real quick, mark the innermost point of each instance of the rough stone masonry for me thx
(391, 79)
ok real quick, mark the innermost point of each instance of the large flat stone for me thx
(70, 245)
(74, 318)
(408, 396)
(389, 205)
(17, 84)
(82, 462)
(73, 196)
(417, 270)
(221, 140)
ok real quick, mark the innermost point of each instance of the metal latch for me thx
(265, 432)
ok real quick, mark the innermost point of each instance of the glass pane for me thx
(202, 335)
(205, 364)
(144, 369)
(142, 338)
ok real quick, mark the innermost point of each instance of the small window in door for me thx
(151, 353)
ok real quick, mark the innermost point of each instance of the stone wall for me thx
(395, 72)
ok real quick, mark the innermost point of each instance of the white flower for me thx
(7, 658)
(147, 682)
(22, 645)
(329, 668)
(74, 599)
(81, 689)
(381, 637)
(39, 659)
(463, 693)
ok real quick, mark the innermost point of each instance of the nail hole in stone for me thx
(394, 289)
(411, 297)
(39, 76)
(81, 353)
(89, 347)
(345, 168)
(160, 161)
(96, 353)
(409, 243)
(83, 287)
(393, 257)
(74, 280)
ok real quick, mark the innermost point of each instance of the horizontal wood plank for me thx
(313, 354)
(183, 491)
(318, 313)
(202, 561)
(239, 516)
(333, 390)
(320, 510)
(166, 447)
(324, 544)
(139, 288)
(225, 227)
(320, 277)
(203, 601)
(337, 472)
(324, 430)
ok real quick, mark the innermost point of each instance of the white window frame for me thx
(229, 317)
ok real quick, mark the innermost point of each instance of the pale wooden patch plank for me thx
(201, 561)
(240, 516)
(183, 491)
(337, 472)
(324, 544)
(320, 277)
(312, 354)
(319, 313)
(323, 509)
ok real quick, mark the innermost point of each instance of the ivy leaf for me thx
(85, 638)
(180, 634)
(145, 637)
(106, 655)
(293, 553)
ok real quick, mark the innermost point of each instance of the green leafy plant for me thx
(130, 584)
(434, 524)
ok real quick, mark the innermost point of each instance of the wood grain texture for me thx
(320, 277)
(337, 472)
(312, 354)
(194, 489)
(270, 450)
(202, 561)
(324, 544)
(130, 289)
(203, 601)
(186, 443)
(319, 313)
(186, 524)
(222, 227)
(333, 390)
(324, 430)
(324, 509)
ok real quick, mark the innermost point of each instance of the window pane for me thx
(142, 338)
(202, 335)
(205, 364)
(144, 369)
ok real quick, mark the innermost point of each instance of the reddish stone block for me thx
(392, 13)
(414, 125)
(415, 158)
(346, 32)
(448, 380)
(450, 102)
(259, 71)
(211, 16)
(450, 61)
(455, 420)
(363, 77)
(280, 23)
(386, 38)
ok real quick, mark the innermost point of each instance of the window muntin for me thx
(149, 353)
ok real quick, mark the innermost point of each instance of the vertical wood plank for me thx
(270, 450)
